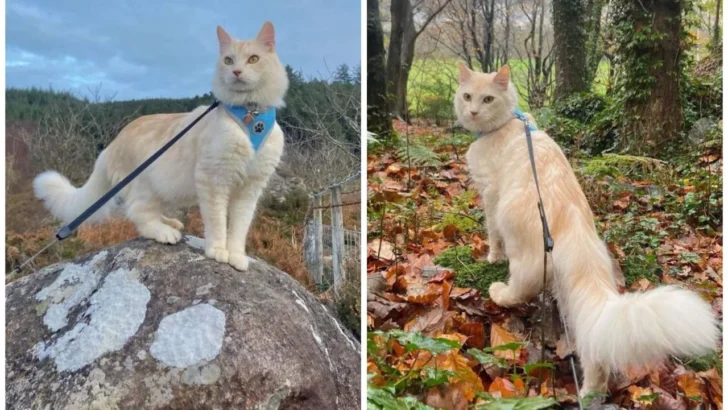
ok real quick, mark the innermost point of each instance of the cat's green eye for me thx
(466, 97)
(488, 99)
(253, 59)
(228, 61)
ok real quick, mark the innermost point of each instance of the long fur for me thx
(611, 330)
(214, 164)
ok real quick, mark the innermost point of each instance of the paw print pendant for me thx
(259, 127)
(248, 119)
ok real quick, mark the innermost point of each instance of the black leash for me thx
(67, 230)
(548, 246)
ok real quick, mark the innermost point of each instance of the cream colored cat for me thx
(611, 330)
(214, 164)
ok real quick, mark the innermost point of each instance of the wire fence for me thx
(332, 252)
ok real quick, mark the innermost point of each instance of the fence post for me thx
(318, 227)
(337, 238)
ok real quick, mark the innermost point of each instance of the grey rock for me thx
(255, 340)
(701, 130)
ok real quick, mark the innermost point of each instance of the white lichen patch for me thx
(73, 285)
(190, 336)
(204, 290)
(208, 374)
(195, 242)
(128, 255)
(116, 311)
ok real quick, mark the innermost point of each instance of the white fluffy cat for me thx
(214, 164)
(612, 330)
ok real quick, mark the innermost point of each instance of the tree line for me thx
(311, 105)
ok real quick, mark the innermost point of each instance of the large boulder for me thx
(148, 326)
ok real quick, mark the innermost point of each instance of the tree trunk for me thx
(570, 47)
(409, 38)
(656, 116)
(717, 44)
(378, 118)
(400, 10)
(594, 46)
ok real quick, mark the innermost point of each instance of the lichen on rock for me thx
(140, 326)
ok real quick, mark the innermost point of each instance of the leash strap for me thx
(548, 246)
(67, 230)
(548, 242)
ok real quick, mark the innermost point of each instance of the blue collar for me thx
(258, 124)
(521, 116)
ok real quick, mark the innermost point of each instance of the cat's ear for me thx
(267, 36)
(503, 76)
(465, 72)
(224, 38)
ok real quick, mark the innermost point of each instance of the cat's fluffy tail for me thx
(65, 201)
(635, 329)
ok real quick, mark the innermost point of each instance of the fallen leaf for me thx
(446, 397)
(475, 332)
(691, 386)
(500, 336)
(502, 387)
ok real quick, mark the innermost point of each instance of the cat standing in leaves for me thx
(223, 163)
(612, 330)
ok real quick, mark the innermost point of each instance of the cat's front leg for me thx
(214, 198)
(496, 252)
(243, 202)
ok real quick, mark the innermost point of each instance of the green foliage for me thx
(384, 399)
(639, 239)
(581, 107)
(630, 166)
(706, 362)
(395, 382)
(528, 403)
(420, 155)
(415, 341)
(461, 215)
(471, 274)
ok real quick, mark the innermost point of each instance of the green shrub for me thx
(582, 107)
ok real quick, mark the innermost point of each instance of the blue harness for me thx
(258, 123)
(521, 116)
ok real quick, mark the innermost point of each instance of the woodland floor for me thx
(435, 339)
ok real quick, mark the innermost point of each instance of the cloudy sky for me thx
(154, 48)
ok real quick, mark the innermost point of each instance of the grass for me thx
(471, 273)
(437, 78)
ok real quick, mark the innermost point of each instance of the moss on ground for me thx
(472, 273)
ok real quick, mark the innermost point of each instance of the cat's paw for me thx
(239, 261)
(219, 254)
(173, 223)
(495, 256)
(497, 291)
(161, 233)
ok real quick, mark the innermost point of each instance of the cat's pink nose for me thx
(237, 72)
(473, 113)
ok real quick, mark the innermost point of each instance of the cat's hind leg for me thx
(596, 377)
(146, 213)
